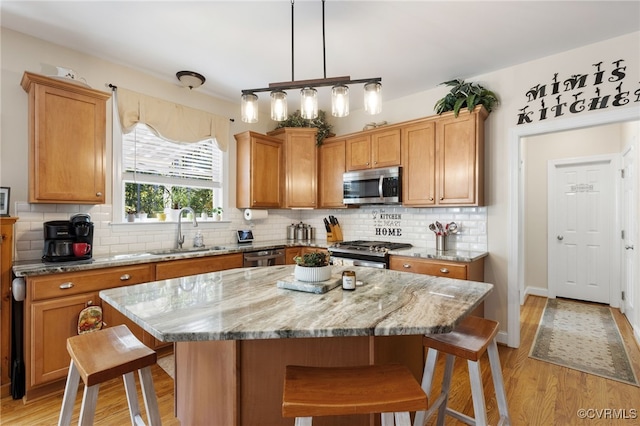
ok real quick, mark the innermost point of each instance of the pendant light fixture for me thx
(308, 93)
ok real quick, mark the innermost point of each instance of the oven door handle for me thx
(380, 186)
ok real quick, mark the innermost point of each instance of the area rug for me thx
(168, 365)
(583, 337)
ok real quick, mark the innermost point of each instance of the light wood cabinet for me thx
(67, 140)
(470, 271)
(460, 158)
(6, 261)
(443, 160)
(372, 150)
(332, 166)
(259, 171)
(52, 306)
(201, 265)
(290, 253)
(300, 166)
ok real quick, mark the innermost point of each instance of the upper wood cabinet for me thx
(443, 160)
(259, 171)
(300, 166)
(371, 150)
(331, 167)
(67, 134)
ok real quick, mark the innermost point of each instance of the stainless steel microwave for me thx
(373, 186)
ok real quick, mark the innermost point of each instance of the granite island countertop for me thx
(245, 304)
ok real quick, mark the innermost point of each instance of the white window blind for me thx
(148, 158)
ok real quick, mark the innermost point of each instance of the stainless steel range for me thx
(364, 253)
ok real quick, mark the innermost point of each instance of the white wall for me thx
(21, 53)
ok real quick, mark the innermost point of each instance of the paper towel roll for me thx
(19, 289)
(250, 214)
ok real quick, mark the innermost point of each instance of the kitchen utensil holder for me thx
(441, 242)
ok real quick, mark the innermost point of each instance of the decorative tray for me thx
(319, 287)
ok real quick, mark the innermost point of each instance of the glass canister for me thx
(349, 280)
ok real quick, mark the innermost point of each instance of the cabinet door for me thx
(358, 153)
(290, 253)
(6, 260)
(301, 169)
(52, 323)
(385, 148)
(332, 167)
(457, 156)
(266, 172)
(67, 146)
(436, 268)
(419, 164)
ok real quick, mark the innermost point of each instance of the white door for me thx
(630, 234)
(581, 221)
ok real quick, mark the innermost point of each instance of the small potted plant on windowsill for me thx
(131, 213)
(312, 267)
(217, 213)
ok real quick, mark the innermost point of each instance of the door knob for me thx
(560, 237)
(628, 247)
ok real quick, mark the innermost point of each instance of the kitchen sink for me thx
(185, 250)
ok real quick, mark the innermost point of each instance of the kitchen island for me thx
(236, 330)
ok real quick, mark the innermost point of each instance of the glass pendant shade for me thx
(373, 97)
(249, 108)
(309, 103)
(340, 101)
(278, 105)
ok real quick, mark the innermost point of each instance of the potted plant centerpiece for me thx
(312, 267)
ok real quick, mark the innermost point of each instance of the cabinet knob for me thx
(430, 198)
(98, 194)
(441, 198)
(444, 270)
(125, 277)
(367, 163)
(65, 286)
(406, 265)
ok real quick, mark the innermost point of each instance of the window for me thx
(157, 173)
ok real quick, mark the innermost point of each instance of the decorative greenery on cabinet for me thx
(296, 120)
(466, 95)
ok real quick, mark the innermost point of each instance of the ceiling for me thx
(412, 45)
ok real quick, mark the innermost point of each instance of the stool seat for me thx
(325, 391)
(469, 340)
(107, 354)
(103, 355)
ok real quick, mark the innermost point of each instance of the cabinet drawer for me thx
(428, 267)
(67, 284)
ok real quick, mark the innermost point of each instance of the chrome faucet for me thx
(195, 224)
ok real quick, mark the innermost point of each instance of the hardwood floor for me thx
(538, 393)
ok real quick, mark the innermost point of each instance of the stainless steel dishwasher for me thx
(268, 257)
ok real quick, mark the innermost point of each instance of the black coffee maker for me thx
(68, 240)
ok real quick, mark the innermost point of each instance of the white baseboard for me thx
(535, 291)
(502, 337)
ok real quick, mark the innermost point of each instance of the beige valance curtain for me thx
(169, 120)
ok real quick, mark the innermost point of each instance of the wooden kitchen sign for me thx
(601, 88)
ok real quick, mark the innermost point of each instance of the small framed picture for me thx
(4, 201)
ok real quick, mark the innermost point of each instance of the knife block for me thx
(335, 235)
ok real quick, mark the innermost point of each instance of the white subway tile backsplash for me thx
(389, 223)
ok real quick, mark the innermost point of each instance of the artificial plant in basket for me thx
(320, 122)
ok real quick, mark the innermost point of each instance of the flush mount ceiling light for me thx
(190, 79)
(308, 93)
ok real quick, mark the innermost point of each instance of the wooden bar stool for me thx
(104, 355)
(327, 391)
(469, 340)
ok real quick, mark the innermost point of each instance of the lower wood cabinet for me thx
(290, 253)
(52, 305)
